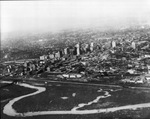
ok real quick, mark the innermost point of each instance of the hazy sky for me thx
(63, 14)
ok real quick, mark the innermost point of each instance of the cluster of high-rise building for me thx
(123, 52)
(77, 50)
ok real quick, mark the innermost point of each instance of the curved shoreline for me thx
(8, 109)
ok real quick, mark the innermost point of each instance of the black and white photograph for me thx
(75, 59)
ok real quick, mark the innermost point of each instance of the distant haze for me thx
(54, 15)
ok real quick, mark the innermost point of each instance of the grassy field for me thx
(73, 98)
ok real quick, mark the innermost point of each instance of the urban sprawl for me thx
(120, 56)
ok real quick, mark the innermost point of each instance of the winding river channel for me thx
(10, 111)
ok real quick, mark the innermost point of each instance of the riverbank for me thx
(72, 100)
(104, 81)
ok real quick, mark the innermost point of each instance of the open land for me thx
(78, 74)
(60, 100)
